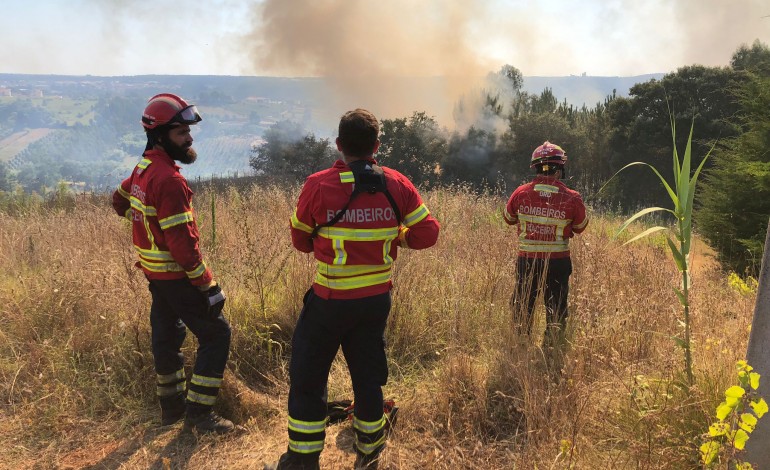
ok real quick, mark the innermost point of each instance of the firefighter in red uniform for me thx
(352, 217)
(548, 214)
(158, 202)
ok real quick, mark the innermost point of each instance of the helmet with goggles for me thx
(548, 153)
(167, 109)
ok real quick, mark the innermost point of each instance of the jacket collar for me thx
(160, 156)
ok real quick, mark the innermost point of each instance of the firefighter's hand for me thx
(215, 300)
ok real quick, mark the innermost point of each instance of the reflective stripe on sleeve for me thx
(176, 219)
(197, 272)
(416, 215)
(295, 222)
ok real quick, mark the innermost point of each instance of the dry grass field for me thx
(77, 384)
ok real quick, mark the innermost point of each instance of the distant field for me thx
(15, 143)
(66, 110)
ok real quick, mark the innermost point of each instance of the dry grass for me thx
(76, 378)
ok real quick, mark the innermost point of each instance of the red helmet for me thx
(166, 109)
(548, 153)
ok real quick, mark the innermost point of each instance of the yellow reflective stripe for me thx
(510, 217)
(351, 270)
(353, 282)
(196, 397)
(144, 163)
(369, 427)
(340, 255)
(128, 214)
(582, 225)
(347, 177)
(367, 448)
(539, 247)
(359, 234)
(146, 210)
(172, 377)
(165, 390)
(176, 219)
(309, 447)
(416, 215)
(154, 255)
(197, 271)
(546, 188)
(295, 222)
(123, 192)
(307, 427)
(386, 258)
(537, 219)
(204, 381)
(160, 267)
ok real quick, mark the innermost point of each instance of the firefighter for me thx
(158, 202)
(547, 214)
(352, 217)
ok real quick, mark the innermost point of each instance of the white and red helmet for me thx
(168, 109)
(548, 153)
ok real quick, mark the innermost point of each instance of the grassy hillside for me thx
(77, 384)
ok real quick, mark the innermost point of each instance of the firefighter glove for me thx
(215, 300)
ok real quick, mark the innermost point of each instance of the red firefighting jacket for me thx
(548, 214)
(158, 202)
(355, 255)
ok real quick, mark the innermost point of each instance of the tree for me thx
(736, 198)
(695, 95)
(414, 146)
(287, 153)
(754, 59)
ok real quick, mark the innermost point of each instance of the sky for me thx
(373, 37)
(365, 48)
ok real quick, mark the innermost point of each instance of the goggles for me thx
(188, 115)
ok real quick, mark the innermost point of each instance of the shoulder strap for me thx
(371, 180)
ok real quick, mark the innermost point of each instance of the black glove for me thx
(215, 300)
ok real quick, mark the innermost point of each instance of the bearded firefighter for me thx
(157, 201)
(547, 214)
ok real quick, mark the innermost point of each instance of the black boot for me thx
(367, 462)
(294, 461)
(206, 421)
(172, 409)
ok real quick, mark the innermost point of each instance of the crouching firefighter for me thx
(547, 214)
(158, 202)
(352, 217)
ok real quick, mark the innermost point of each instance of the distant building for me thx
(5, 91)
